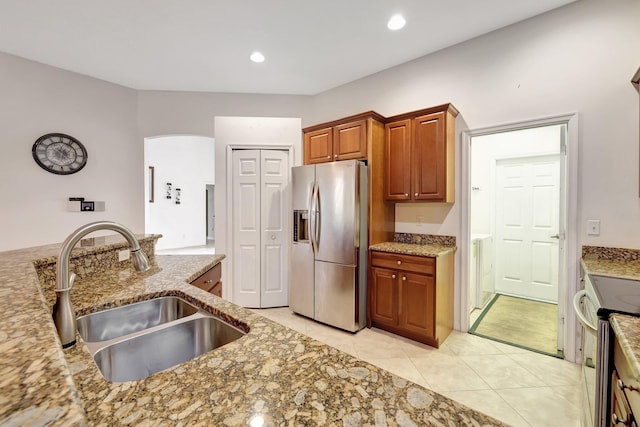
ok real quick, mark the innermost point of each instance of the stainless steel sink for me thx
(146, 354)
(138, 340)
(116, 322)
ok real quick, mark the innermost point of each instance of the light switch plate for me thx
(593, 227)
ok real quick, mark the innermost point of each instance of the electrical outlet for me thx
(124, 255)
(419, 220)
(593, 227)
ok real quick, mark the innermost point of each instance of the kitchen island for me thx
(273, 374)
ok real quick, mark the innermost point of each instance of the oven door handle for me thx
(577, 299)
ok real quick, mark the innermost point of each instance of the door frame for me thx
(227, 287)
(569, 260)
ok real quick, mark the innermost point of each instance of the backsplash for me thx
(93, 255)
(424, 239)
(610, 254)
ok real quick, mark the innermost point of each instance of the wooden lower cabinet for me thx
(624, 404)
(412, 295)
(210, 281)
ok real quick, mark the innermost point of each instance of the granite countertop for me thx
(627, 329)
(427, 250)
(274, 372)
(612, 268)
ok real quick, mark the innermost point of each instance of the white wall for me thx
(579, 58)
(245, 132)
(188, 163)
(37, 99)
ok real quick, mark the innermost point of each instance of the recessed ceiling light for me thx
(257, 57)
(396, 22)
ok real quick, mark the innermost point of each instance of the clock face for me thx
(59, 153)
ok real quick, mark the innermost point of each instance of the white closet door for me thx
(260, 228)
(527, 221)
(246, 258)
(274, 248)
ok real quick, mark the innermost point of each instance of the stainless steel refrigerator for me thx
(329, 250)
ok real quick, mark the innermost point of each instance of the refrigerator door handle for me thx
(314, 218)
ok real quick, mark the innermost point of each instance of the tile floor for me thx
(516, 386)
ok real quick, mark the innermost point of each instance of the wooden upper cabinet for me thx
(318, 146)
(357, 137)
(344, 141)
(350, 141)
(429, 158)
(397, 152)
(420, 156)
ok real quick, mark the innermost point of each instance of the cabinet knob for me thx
(328, 157)
(621, 386)
(208, 281)
(404, 277)
(399, 262)
(406, 194)
(335, 155)
(393, 276)
(615, 420)
(415, 194)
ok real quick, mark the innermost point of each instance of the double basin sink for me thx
(140, 339)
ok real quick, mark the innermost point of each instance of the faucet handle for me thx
(72, 278)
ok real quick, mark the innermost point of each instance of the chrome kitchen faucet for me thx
(64, 315)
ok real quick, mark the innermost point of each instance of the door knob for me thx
(273, 237)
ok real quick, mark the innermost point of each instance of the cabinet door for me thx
(350, 141)
(429, 157)
(417, 303)
(398, 160)
(318, 146)
(384, 297)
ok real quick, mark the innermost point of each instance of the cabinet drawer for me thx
(411, 263)
(209, 279)
(631, 385)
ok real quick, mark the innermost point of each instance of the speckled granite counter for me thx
(613, 268)
(273, 372)
(613, 262)
(412, 248)
(627, 329)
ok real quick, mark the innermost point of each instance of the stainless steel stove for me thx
(601, 296)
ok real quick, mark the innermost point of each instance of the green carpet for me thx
(528, 324)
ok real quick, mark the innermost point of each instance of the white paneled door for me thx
(260, 254)
(527, 224)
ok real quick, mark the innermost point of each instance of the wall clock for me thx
(59, 153)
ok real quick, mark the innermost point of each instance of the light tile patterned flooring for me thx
(516, 386)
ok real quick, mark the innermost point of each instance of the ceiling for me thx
(204, 45)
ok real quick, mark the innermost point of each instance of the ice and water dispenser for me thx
(301, 226)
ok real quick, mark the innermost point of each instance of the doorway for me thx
(516, 232)
(178, 170)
